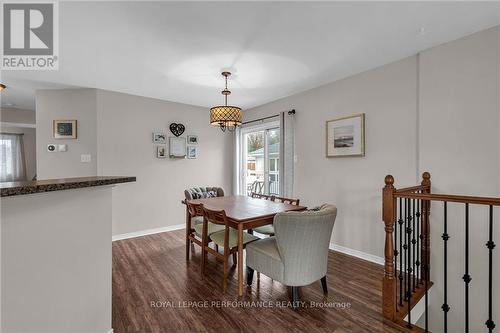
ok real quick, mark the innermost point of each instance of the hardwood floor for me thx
(153, 283)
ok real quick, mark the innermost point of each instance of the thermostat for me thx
(51, 148)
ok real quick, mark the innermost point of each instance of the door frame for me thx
(242, 174)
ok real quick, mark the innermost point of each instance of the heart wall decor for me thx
(177, 129)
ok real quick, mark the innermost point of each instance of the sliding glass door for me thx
(260, 159)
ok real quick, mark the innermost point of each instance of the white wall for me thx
(125, 126)
(459, 145)
(56, 261)
(387, 96)
(117, 130)
(457, 141)
(17, 116)
(79, 104)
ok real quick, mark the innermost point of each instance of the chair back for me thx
(288, 200)
(303, 240)
(262, 196)
(194, 209)
(203, 192)
(215, 216)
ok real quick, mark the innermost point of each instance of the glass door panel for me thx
(260, 161)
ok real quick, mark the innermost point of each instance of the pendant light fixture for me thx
(225, 116)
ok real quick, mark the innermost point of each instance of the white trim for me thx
(357, 254)
(419, 309)
(148, 232)
(110, 331)
(11, 124)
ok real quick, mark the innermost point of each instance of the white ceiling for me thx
(176, 51)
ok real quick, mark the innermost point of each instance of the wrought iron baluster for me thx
(466, 276)
(445, 238)
(405, 256)
(413, 243)
(408, 260)
(401, 252)
(490, 245)
(417, 263)
(426, 269)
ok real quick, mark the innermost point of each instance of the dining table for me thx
(244, 213)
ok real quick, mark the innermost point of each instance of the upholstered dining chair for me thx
(269, 229)
(194, 221)
(227, 238)
(298, 254)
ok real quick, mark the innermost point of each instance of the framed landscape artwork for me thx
(346, 136)
(64, 129)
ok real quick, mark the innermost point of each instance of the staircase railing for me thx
(406, 213)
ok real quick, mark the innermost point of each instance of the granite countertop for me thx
(9, 189)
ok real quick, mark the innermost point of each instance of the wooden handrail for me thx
(450, 198)
(412, 189)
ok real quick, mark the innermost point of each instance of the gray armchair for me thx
(298, 253)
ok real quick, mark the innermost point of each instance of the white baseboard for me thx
(110, 331)
(357, 254)
(148, 232)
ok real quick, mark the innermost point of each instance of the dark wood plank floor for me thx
(153, 269)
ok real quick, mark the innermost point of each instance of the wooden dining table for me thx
(244, 213)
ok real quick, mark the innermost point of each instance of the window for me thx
(12, 163)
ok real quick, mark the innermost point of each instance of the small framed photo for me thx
(64, 129)
(192, 139)
(192, 151)
(346, 136)
(159, 137)
(161, 151)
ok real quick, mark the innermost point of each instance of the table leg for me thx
(240, 259)
(188, 232)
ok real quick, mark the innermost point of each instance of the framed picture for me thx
(64, 129)
(192, 151)
(346, 136)
(159, 137)
(177, 147)
(161, 151)
(192, 139)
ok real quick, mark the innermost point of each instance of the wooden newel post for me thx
(426, 241)
(389, 218)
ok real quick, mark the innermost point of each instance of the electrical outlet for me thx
(85, 158)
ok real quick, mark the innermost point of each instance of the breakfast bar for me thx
(56, 254)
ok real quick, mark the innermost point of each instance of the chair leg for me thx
(295, 298)
(323, 284)
(249, 276)
(224, 283)
(235, 258)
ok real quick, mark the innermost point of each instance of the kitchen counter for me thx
(8, 189)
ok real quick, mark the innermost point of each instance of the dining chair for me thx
(196, 228)
(227, 238)
(195, 221)
(269, 229)
(262, 196)
(298, 254)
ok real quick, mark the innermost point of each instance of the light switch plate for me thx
(85, 158)
(62, 147)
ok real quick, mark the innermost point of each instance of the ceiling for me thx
(175, 51)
